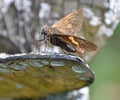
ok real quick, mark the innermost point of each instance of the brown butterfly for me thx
(63, 34)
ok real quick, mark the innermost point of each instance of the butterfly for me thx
(63, 34)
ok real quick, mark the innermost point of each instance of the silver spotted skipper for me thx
(63, 34)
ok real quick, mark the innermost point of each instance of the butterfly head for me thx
(45, 30)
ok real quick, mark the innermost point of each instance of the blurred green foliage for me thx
(106, 66)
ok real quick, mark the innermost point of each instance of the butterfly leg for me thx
(38, 43)
(48, 45)
(66, 52)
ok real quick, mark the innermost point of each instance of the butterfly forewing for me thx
(70, 24)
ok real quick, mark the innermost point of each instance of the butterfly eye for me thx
(43, 32)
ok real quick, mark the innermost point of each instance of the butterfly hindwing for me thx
(80, 45)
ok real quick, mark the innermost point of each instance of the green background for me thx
(106, 66)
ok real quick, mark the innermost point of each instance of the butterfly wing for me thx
(70, 24)
(80, 45)
(66, 30)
